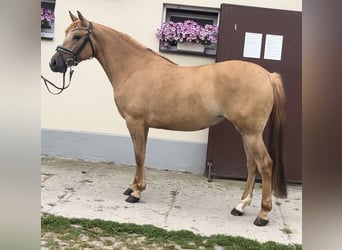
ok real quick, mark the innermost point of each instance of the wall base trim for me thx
(160, 153)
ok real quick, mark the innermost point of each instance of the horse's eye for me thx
(76, 37)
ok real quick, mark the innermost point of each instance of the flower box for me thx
(47, 18)
(192, 47)
(188, 37)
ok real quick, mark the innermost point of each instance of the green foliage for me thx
(142, 236)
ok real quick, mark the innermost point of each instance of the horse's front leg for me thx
(139, 133)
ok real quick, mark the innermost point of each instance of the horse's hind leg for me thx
(257, 150)
(247, 194)
(139, 134)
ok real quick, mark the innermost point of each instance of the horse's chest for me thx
(120, 105)
(131, 104)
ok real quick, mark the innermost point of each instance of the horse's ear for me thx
(72, 16)
(84, 21)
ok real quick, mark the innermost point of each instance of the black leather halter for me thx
(74, 60)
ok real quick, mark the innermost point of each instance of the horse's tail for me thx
(277, 120)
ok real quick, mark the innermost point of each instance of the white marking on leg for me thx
(243, 203)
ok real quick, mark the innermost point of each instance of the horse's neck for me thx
(119, 54)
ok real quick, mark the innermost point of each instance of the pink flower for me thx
(189, 30)
(47, 15)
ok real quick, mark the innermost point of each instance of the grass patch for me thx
(58, 232)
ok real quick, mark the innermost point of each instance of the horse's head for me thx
(77, 45)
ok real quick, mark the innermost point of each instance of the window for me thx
(47, 18)
(200, 15)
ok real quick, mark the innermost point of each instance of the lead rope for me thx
(47, 82)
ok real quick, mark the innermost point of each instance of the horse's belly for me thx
(189, 122)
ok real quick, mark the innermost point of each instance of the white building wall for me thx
(88, 105)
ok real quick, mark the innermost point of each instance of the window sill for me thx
(207, 51)
(46, 33)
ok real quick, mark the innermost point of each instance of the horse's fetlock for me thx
(267, 205)
(133, 186)
(141, 186)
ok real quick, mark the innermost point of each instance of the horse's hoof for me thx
(128, 191)
(132, 199)
(260, 222)
(236, 212)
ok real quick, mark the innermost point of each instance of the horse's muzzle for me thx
(57, 63)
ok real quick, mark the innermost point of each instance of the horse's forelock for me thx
(72, 26)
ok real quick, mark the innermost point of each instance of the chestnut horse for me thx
(150, 91)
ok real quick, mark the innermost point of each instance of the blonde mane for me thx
(131, 40)
(165, 58)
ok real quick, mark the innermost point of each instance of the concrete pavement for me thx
(172, 200)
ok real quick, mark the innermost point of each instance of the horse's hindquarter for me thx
(187, 98)
(243, 90)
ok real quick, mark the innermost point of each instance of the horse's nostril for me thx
(53, 62)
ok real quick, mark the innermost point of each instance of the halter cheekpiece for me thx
(73, 61)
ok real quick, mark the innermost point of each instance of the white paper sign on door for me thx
(273, 47)
(252, 46)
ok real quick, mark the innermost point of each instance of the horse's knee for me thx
(140, 159)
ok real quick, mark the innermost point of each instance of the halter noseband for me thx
(74, 60)
(70, 61)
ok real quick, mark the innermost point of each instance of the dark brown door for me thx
(225, 150)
